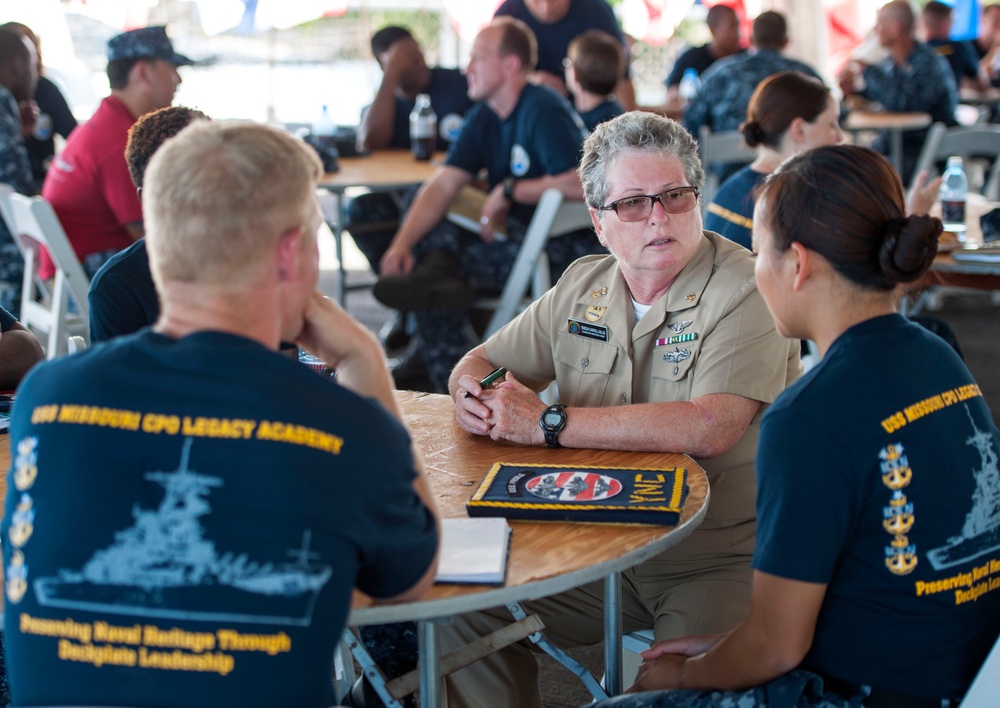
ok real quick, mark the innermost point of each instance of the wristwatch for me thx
(552, 422)
(508, 189)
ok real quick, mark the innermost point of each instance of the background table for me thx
(946, 271)
(545, 558)
(896, 124)
(382, 170)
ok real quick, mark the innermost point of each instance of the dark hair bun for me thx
(753, 133)
(909, 247)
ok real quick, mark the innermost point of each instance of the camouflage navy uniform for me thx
(925, 83)
(797, 689)
(15, 170)
(727, 85)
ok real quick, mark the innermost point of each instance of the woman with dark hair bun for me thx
(789, 112)
(878, 489)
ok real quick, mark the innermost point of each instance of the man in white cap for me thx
(89, 184)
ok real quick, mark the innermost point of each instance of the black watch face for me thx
(552, 418)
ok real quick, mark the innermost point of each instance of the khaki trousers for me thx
(706, 601)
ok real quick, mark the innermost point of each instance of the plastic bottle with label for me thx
(690, 84)
(423, 128)
(953, 194)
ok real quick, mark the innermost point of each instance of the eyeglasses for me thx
(639, 206)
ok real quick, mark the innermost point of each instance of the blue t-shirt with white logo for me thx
(449, 94)
(542, 136)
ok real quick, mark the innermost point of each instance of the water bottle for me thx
(690, 83)
(953, 193)
(423, 128)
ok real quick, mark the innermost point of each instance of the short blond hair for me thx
(218, 196)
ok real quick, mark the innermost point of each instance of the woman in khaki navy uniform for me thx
(663, 345)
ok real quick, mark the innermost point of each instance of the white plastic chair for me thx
(34, 225)
(723, 148)
(553, 217)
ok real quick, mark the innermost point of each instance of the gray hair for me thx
(637, 130)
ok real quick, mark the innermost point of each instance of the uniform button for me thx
(585, 362)
(624, 398)
(676, 369)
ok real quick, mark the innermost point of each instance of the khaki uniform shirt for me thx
(710, 333)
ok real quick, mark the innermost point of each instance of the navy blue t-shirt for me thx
(122, 295)
(877, 475)
(606, 111)
(542, 136)
(186, 520)
(553, 40)
(731, 210)
(449, 94)
(960, 55)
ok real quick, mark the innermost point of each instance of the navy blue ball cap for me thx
(145, 43)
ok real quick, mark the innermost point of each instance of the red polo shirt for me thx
(89, 185)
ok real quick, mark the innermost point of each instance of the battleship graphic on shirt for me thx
(162, 566)
(981, 531)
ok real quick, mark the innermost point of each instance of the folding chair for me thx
(724, 148)
(34, 225)
(553, 217)
(969, 142)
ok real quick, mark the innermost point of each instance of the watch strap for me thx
(551, 432)
(508, 189)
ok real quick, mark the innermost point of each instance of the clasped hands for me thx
(508, 411)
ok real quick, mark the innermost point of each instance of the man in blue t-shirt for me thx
(960, 54)
(373, 218)
(527, 139)
(189, 511)
(405, 74)
(556, 23)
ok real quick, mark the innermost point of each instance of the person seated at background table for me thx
(885, 451)
(19, 351)
(89, 185)
(386, 122)
(911, 78)
(122, 295)
(594, 64)
(727, 85)
(959, 53)
(53, 115)
(665, 344)
(555, 23)
(372, 218)
(724, 25)
(527, 139)
(160, 481)
(18, 75)
(789, 112)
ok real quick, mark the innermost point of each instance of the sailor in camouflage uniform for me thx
(18, 77)
(727, 85)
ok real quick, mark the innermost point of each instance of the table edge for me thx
(501, 595)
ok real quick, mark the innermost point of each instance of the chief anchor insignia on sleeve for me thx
(22, 523)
